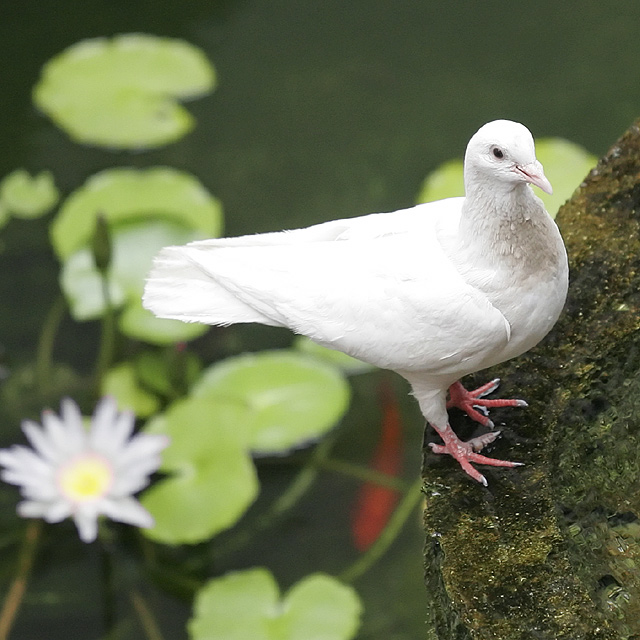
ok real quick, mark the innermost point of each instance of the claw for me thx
(467, 452)
(474, 404)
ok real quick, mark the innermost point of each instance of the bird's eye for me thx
(497, 153)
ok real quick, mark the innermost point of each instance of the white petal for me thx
(58, 511)
(72, 419)
(67, 441)
(140, 447)
(104, 418)
(49, 511)
(122, 429)
(32, 509)
(129, 483)
(40, 441)
(22, 459)
(40, 491)
(141, 468)
(127, 510)
(87, 525)
(31, 487)
(26, 478)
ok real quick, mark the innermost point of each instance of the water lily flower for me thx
(83, 473)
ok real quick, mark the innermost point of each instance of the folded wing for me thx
(379, 289)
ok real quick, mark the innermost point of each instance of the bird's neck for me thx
(503, 227)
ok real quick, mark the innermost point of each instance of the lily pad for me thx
(565, 165)
(140, 324)
(5, 214)
(26, 196)
(121, 382)
(446, 181)
(123, 92)
(246, 604)
(125, 195)
(133, 248)
(162, 370)
(213, 480)
(83, 287)
(289, 399)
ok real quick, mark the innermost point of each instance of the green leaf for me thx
(121, 382)
(161, 371)
(145, 211)
(347, 364)
(83, 287)
(565, 163)
(446, 181)
(133, 247)
(122, 92)
(25, 196)
(246, 604)
(5, 214)
(140, 324)
(213, 480)
(289, 398)
(124, 195)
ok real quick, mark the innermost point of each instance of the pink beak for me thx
(534, 174)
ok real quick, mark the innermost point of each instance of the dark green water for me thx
(322, 110)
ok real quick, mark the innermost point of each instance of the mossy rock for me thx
(551, 550)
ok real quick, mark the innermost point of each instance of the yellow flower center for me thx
(85, 478)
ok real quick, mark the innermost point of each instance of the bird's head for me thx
(502, 152)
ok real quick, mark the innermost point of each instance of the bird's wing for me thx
(374, 225)
(386, 294)
(177, 287)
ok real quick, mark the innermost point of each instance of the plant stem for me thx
(14, 597)
(302, 482)
(365, 474)
(388, 535)
(108, 590)
(107, 337)
(147, 620)
(44, 356)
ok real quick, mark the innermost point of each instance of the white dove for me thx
(433, 292)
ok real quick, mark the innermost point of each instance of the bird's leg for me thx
(471, 401)
(467, 452)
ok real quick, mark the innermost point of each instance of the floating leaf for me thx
(121, 383)
(25, 196)
(289, 398)
(122, 92)
(212, 480)
(446, 181)
(4, 214)
(565, 164)
(83, 287)
(162, 371)
(133, 246)
(145, 211)
(347, 364)
(140, 324)
(125, 195)
(246, 604)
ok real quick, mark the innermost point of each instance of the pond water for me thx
(322, 111)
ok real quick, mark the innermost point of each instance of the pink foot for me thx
(471, 401)
(466, 452)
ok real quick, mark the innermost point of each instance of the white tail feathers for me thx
(178, 288)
